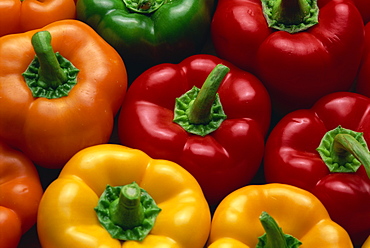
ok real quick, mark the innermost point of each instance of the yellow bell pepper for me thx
(68, 210)
(367, 243)
(238, 220)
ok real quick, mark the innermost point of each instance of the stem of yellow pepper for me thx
(50, 72)
(344, 143)
(127, 211)
(274, 236)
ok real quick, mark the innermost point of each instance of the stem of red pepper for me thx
(200, 111)
(127, 211)
(290, 15)
(344, 150)
(50, 72)
(274, 236)
(290, 12)
(344, 143)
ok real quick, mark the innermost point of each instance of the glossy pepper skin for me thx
(21, 193)
(363, 80)
(236, 224)
(67, 218)
(18, 16)
(296, 68)
(219, 165)
(291, 157)
(51, 131)
(364, 7)
(174, 31)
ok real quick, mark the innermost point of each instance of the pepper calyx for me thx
(291, 15)
(344, 150)
(199, 111)
(274, 236)
(49, 74)
(143, 6)
(127, 212)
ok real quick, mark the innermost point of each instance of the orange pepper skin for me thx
(51, 131)
(236, 224)
(19, 16)
(21, 192)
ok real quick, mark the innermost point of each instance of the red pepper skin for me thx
(297, 69)
(291, 158)
(21, 192)
(363, 81)
(221, 161)
(364, 7)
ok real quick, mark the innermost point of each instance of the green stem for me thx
(200, 111)
(274, 235)
(344, 143)
(127, 211)
(50, 72)
(143, 6)
(290, 11)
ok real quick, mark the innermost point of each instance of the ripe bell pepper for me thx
(159, 117)
(304, 149)
(363, 80)
(100, 183)
(54, 104)
(21, 193)
(364, 7)
(274, 215)
(298, 61)
(149, 32)
(18, 16)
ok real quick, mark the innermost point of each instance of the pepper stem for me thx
(200, 111)
(50, 72)
(346, 143)
(290, 12)
(274, 236)
(127, 211)
(290, 15)
(344, 150)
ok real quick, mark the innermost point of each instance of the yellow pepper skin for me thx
(366, 244)
(66, 216)
(236, 224)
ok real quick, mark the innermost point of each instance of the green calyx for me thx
(143, 6)
(199, 111)
(127, 212)
(344, 150)
(274, 236)
(49, 75)
(291, 15)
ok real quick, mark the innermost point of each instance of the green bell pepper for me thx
(149, 32)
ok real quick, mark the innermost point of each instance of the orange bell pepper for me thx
(23, 15)
(21, 192)
(51, 131)
(240, 222)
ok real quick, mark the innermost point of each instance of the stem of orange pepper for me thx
(50, 72)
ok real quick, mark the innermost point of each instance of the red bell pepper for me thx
(222, 159)
(363, 80)
(297, 65)
(21, 192)
(294, 152)
(364, 7)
